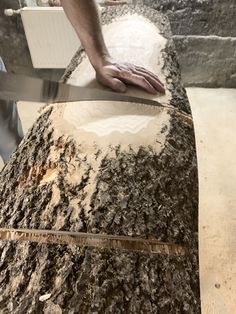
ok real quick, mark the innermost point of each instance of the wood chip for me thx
(45, 297)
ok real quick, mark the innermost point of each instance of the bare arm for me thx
(84, 17)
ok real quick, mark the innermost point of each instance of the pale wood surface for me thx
(129, 40)
(214, 114)
(134, 40)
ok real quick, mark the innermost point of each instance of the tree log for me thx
(106, 169)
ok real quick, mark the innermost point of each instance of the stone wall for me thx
(205, 37)
(199, 17)
(208, 61)
(204, 33)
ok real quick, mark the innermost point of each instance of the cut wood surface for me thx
(110, 168)
(214, 115)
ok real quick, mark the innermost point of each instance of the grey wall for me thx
(205, 37)
(199, 17)
(13, 45)
(204, 33)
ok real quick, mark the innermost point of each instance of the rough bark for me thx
(78, 169)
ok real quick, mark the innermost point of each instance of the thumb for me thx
(116, 85)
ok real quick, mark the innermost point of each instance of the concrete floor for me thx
(214, 113)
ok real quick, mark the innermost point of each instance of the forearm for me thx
(83, 15)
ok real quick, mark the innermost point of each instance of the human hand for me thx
(117, 75)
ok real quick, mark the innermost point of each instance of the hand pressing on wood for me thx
(84, 17)
(116, 75)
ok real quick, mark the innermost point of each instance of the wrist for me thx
(99, 60)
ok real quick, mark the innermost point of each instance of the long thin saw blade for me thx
(19, 87)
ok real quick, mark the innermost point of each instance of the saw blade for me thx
(16, 87)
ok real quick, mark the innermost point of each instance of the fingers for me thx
(114, 83)
(154, 76)
(116, 76)
(152, 80)
(138, 80)
(142, 77)
(117, 85)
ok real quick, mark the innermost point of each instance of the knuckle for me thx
(116, 72)
(143, 79)
(126, 74)
(142, 69)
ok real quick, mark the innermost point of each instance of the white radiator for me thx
(51, 39)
